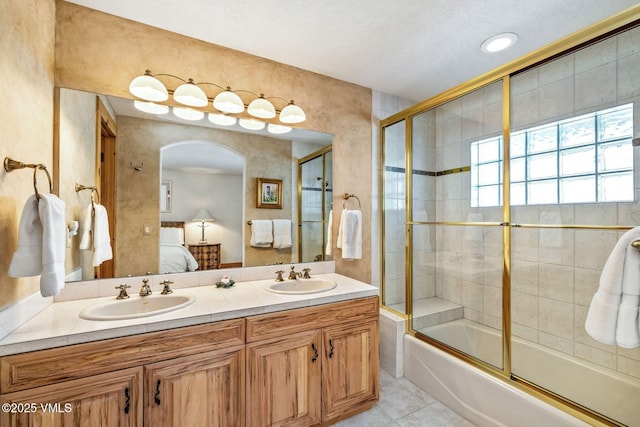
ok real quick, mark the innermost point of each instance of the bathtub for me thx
(488, 401)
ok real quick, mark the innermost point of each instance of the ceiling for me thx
(413, 49)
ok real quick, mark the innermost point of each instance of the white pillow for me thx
(171, 236)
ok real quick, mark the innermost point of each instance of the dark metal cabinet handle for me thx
(127, 402)
(156, 397)
(315, 353)
(330, 349)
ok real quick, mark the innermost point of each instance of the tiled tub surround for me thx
(59, 324)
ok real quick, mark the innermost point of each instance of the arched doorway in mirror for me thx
(202, 188)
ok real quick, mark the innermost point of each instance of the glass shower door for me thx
(456, 236)
(316, 192)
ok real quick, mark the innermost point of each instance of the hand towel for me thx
(95, 234)
(27, 259)
(54, 231)
(615, 304)
(261, 233)
(340, 231)
(352, 235)
(329, 247)
(281, 233)
(101, 237)
(87, 229)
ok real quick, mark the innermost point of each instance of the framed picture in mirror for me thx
(165, 196)
(269, 193)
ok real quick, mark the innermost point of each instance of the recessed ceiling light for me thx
(499, 42)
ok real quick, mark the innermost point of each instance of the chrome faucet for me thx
(145, 290)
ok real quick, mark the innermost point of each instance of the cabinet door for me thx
(283, 381)
(111, 399)
(200, 390)
(350, 368)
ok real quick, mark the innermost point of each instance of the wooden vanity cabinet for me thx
(301, 367)
(106, 383)
(350, 368)
(283, 382)
(312, 366)
(112, 399)
(204, 390)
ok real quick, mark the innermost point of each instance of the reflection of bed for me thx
(174, 257)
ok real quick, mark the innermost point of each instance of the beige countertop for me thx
(59, 324)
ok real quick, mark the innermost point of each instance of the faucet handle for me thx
(145, 290)
(279, 276)
(167, 287)
(306, 272)
(123, 291)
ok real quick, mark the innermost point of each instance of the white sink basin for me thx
(302, 286)
(137, 306)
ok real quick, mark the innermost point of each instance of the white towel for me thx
(351, 235)
(27, 259)
(281, 233)
(95, 234)
(613, 313)
(54, 239)
(340, 232)
(261, 233)
(329, 248)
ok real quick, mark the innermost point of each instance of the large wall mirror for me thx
(152, 171)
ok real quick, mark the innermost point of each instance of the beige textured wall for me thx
(26, 128)
(77, 129)
(114, 50)
(137, 197)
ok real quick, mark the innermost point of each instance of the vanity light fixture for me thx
(261, 108)
(228, 101)
(499, 42)
(292, 114)
(190, 94)
(222, 119)
(188, 113)
(149, 88)
(251, 124)
(278, 129)
(151, 107)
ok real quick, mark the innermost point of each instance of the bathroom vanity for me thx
(305, 366)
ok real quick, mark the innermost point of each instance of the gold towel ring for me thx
(347, 196)
(11, 165)
(35, 179)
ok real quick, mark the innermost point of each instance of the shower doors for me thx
(501, 204)
(315, 192)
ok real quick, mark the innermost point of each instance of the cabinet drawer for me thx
(303, 319)
(28, 370)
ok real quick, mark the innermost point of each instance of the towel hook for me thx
(10, 165)
(347, 196)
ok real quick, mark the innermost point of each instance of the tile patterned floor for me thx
(402, 404)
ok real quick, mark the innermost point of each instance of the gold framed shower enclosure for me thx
(503, 76)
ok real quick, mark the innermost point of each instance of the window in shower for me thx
(584, 159)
